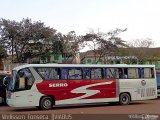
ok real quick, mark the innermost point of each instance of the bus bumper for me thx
(10, 102)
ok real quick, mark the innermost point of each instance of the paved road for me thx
(138, 107)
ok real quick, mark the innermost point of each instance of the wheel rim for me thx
(125, 99)
(47, 104)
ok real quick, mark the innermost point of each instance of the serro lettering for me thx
(58, 85)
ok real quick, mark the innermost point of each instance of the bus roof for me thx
(81, 65)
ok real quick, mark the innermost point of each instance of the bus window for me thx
(120, 73)
(125, 73)
(74, 73)
(64, 73)
(29, 78)
(49, 73)
(20, 80)
(141, 73)
(42, 71)
(147, 73)
(86, 73)
(152, 73)
(109, 73)
(96, 73)
(24, 79)
(132, 73)
(52, 74)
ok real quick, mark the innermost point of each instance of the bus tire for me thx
(124, 99)
(46, 103)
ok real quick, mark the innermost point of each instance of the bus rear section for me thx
(141, 83)
(158, 82)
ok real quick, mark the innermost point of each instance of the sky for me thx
(140, 17)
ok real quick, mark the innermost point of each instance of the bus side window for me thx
(125, 73)
(120, 73)
(29, 78)
(42, 71)
(152, 73)
(148, 73)
(53, 74)
(132, 73)
(111, 73)
(96, 73)
(86, 73)
(78, 73)
(64, 73)
(75, 73)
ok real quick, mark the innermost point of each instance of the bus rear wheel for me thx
(46, 103)
(124, 99)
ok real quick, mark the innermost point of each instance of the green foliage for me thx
(105, 44)
(3, 52)
(22, 37)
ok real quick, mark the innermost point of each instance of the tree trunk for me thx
(1, 64)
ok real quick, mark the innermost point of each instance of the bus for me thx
(158, 82)
(48, 85)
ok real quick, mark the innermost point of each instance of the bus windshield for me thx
(12, 81)
(21, 80)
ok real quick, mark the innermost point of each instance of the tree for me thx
(105, 44)
(111, 43)
(7, 33)
(3, 54)
(18, 36)
(140, 49)
(71, 45)
(57, 47)
(92, 40)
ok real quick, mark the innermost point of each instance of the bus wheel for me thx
(46, 103)
(124, 99)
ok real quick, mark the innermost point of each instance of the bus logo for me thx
(143, 82)
(58, 85)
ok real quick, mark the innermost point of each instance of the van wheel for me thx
(124, 99)
(46, 103)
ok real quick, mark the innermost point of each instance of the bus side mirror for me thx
(6, 81)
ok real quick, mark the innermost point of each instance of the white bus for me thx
(47, 85)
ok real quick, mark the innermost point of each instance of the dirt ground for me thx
(137, 107)
(139, 110)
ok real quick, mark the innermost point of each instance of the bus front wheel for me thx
(124, 99)
(46, 103)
